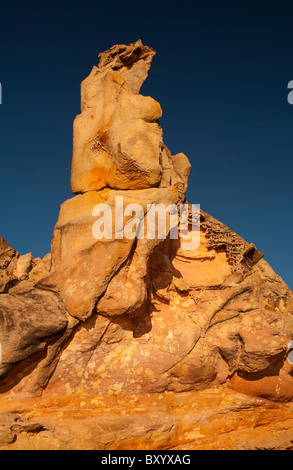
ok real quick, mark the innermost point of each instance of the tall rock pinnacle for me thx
(149, 345)
(117, 139)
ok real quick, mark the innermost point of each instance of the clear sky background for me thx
(220, 74)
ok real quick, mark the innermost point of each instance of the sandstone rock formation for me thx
(149, 345)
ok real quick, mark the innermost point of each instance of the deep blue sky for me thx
(220, 74)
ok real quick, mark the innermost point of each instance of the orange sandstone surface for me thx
(136, 343)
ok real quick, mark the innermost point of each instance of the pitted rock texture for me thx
(117, 139)
(149, 345)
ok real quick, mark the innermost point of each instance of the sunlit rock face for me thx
(117, 138)
(148, 344)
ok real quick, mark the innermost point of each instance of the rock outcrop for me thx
(150, 345)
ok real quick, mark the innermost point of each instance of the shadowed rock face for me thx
(115, 328)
